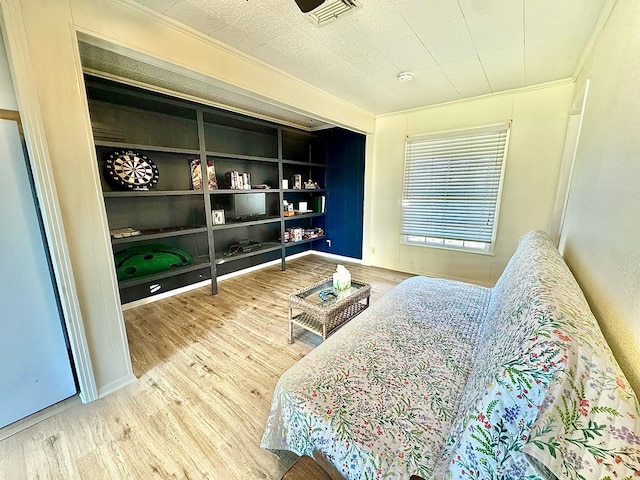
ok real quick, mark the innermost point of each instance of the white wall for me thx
(7, 94)
(601, 234)
(539, 119)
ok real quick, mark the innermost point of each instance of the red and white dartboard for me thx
(131, 171)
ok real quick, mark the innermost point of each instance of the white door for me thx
(35, 366)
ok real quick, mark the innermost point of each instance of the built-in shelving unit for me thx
(223, 229)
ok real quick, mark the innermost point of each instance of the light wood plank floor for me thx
(206, 367)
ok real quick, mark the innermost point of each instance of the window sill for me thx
(490, 253)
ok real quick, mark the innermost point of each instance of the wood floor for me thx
(206, 367)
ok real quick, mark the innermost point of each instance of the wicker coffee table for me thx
(323, 314)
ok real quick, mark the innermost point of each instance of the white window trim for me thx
(490, 250)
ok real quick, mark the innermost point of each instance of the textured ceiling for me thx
(134, 68)
(455, 48)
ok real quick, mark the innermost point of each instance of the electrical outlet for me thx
(373, 250)
(413, 264)
(328, 243)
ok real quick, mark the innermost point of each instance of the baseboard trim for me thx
(38, 417)
(237, 273)
(116, 385)
(342, 258)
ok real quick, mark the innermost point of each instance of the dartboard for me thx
(132, 171)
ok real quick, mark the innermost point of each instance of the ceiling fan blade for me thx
(308, 5)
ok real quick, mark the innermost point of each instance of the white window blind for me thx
(452, 185)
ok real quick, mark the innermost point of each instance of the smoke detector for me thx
(320, 12)
(405, 77)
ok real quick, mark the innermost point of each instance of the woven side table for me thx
(323, 309)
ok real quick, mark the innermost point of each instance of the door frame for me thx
(27, 97)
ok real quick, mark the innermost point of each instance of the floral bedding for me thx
(545, 398)
(448, 380)
(377, 399)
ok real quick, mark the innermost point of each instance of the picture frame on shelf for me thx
(297, 182)
(196, 175)
(218, 217)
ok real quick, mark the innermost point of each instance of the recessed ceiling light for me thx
(404, 77)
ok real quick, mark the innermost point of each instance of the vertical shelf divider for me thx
(204, 174)
(283, 252)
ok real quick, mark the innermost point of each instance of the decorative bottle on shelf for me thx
(341, 278)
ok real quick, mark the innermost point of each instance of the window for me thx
(452, 184)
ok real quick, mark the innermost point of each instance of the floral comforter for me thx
(377, 399)
(448, 380)
(545, 398)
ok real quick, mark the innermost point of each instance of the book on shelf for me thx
(238, 180)
(318, 204)
(298, 234)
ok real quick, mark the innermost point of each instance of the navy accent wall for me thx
(345, 193)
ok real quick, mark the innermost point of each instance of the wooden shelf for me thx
(303, 190)
(198, 263)
(265, 248)
(304, 164)
(237, 191)
(151, 193)
(302, 242)
(153, 235)
(149, 148)
(234, 156)
(247, 223)
(298, 216)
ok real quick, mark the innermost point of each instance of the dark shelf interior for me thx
(264, 248)
(263, 233)
(166, 130)
(230, 134)
(154, 212)
(298, 146)
(247, 206)
(260, 172)
(307, 172)
(137, 126)
(197, 264)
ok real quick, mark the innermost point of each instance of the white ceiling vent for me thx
(330, 10)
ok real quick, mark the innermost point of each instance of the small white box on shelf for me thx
(217, 217)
